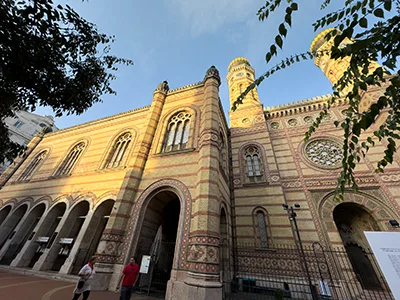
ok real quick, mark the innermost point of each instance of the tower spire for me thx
(240, 76)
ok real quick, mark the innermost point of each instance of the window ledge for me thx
(174, 152)
(249, 184)
(105, 170)
(20, 181)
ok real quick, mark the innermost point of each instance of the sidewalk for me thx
(27, 287)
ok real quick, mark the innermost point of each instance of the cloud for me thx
(210, 16)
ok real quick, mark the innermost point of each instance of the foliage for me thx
(50, 56)
(379, 40)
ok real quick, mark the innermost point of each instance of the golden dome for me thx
(319, 39)
(238, 61)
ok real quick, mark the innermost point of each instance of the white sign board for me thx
(144, 266)
(386, 247)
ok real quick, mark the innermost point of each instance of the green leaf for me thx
(279, 41)
(294, 6)
(363, 22)
(379, 13)
(388, 5)
(282, 30)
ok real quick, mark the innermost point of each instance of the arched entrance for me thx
(68, 234)
(4, 213)
(44, 236)
(352, 220)
(93, 234)
(7, 231)
(23, 234)
(157, 238)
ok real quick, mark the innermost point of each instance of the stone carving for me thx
(213, 72)
(246, 121)
(344, 112)
(324, 153)
(308, 119)
(163, 87)
(274, 125)
(292, 122)
(326, 117)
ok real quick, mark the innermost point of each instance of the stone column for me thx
(68, 264)
(111, 257)
(203, 250)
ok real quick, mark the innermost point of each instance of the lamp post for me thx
(292, 217)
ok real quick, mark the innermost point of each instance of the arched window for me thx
(177, 134)
(253, 163)
(262, 229)
(33, 166)
(71, 159)
(222, 152)
(119, 150)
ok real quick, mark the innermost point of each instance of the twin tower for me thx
(241, 74)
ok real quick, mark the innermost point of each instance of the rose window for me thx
(324, 153)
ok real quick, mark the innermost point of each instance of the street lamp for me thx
(292, 217)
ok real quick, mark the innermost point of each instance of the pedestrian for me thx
(129, 279)
(85, 279)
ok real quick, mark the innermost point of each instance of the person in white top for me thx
(85, 279)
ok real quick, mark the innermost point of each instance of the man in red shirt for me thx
(129, 279)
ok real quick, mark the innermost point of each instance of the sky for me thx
(178, 40)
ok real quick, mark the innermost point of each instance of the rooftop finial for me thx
(213, 72)
(163, 87)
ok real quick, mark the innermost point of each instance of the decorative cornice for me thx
(98, 121)
(292, 108)
(186, 87)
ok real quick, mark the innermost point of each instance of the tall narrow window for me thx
(253, 164)
(177, 134)
(71, 159)
(119, 150)
(262, 229)
(33, 166)
(222, 152)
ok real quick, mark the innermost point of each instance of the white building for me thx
(24, 126)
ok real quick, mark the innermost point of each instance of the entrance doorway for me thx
(4, 213)
(7, 231)
(158, 239)
(69, 233)
(352, 220)
(45, 235)
(92, 235)
(23, 234)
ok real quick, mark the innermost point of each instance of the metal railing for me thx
(283, 272)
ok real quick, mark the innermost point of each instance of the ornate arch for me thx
(378, 209)
(89, 197)
(163, 123)
(256, 225)
(67, 199)
(13, 202)
(111, 142)
(183, 193)
(86, 140)
(26, 201)
(44, 200)
(106, 196)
